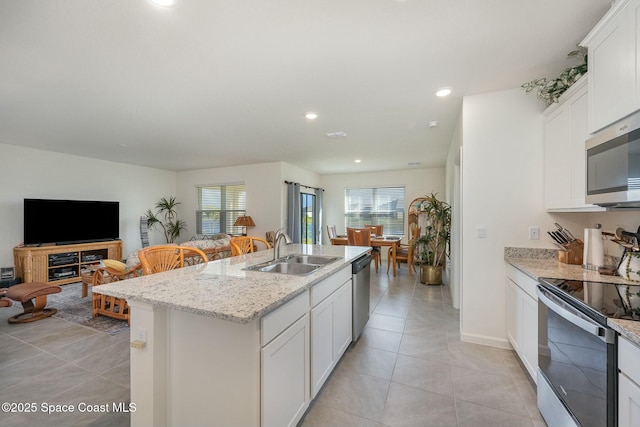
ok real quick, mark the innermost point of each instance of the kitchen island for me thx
(220, 345)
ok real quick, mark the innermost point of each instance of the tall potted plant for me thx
(433, 246)
(167, 218)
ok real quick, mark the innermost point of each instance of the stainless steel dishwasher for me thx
(361, 270)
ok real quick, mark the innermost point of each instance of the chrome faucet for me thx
(276, 242)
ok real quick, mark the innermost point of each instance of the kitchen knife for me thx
(553, 236)
(560, 237)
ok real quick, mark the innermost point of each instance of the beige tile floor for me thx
(409, 368)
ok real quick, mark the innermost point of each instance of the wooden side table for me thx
(86, 275)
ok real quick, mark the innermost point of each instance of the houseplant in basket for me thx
(433, 246)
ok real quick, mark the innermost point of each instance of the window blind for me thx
(375, 206)
(218, 208)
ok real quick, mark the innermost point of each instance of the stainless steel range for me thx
(577, 358)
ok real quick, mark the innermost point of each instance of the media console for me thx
(62, 264)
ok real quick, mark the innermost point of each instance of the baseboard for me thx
(485, 340)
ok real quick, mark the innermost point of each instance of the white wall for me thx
(502, 182)
(30, 173)
(454, 191)
(417, 183)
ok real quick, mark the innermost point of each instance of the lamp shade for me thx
(244, 221)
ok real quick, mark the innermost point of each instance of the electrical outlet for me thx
(534, 233)
(481, 232)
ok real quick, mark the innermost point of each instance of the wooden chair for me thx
(105, 305)
(376, 229)
(155, 259)
(246, 244)
(362, 237)
(332, 233)
(405, 252)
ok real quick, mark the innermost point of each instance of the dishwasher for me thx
(361, 274)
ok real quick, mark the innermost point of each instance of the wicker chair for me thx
(4, 301)
(246, 244)
(362, 237)
(155, 259)
(110, 306)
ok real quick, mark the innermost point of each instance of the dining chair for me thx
(376, 230)
(246, 244)
(155, 259)
(331, 232)
(405, 252)
(362, 237)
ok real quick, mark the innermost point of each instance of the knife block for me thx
(573, 254)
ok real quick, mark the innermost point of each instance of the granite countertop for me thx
(537, 263)
(224, 289)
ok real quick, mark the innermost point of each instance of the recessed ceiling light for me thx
(443, 91)
(311, 115)
(357, 160)
(433, 123)
(164, 3)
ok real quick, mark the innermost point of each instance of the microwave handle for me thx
(606, 335)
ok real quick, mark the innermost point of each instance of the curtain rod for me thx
(305, 186)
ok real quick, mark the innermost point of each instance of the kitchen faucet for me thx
(276, 242)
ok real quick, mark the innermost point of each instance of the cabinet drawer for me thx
(628, 357)
(523, 281)
(323, 289)
(280, 319)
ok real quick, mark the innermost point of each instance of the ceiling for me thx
(211, 83)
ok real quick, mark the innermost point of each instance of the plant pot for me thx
(431, 275)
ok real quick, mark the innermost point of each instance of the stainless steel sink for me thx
(311, 259)
(286, 268)
(298, 264)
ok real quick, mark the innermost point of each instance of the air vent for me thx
(339, 134)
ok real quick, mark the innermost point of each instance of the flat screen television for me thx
(49, 221)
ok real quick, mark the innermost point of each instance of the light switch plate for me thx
(482, 232)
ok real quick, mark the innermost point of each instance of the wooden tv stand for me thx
(61, 264)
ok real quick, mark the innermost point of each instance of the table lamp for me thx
(244, 221)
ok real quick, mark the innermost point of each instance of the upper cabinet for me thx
(614, 65)
(565, 133)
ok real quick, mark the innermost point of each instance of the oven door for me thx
(577, 363)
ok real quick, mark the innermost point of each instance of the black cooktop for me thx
(606, 299)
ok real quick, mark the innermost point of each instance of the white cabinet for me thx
(614, 86)
(522, 317)
(284, 388)
(628, 380)
(565, 133)
(330, 326)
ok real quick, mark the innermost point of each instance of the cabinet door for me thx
(557, 158)
(612, 68)
(322, 344)
(628, 402)
(512, 314)
(529, 343)
(342, 313)
(285, 376)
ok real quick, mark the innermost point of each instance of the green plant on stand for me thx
(433, 246)
(167, 218)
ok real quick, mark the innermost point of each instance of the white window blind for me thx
(218, 208)
(375, 206)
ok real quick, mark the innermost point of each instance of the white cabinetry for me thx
(284, 386)
(565, 132)
(522, 317)
(614, 85)
(330, 325)
(628, 380)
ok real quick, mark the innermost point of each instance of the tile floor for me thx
(409, 368)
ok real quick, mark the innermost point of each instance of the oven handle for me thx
(605, 334)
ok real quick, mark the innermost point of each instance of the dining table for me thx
(392, 241)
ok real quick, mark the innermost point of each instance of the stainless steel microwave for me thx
(613, 165)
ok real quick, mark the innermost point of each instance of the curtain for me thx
(294, 222)
(317, 216)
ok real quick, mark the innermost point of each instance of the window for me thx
(375, 206)
(307, 202)
(218, 208)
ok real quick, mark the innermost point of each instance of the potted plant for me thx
(167, 218)
(433, 247)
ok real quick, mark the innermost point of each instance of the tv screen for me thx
(70, 221)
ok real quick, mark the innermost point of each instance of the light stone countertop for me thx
(224, 289)
(537, 263)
